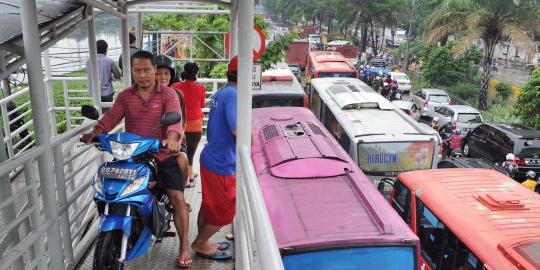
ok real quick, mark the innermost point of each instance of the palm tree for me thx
(491, 21)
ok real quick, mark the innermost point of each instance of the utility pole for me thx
(408, 38)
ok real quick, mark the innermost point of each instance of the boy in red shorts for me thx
(218, 170)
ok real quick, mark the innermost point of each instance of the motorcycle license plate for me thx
(114, 172)
(532, 161)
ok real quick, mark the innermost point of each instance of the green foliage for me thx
(275, 51)
(503, 90)
(466, 91)
(527, 107)
(200, 22)
(442, 68)
(219, 71)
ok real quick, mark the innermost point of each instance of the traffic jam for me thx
(437, 185)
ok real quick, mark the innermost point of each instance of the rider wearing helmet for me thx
(510, 165)
(435, 124)
(166, 75)
(530, 183)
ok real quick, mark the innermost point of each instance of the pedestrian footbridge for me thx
(48, 219)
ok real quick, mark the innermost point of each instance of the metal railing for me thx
(256, 246)
(22, 205)
(70, 95)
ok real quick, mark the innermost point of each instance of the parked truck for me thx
(297, 53)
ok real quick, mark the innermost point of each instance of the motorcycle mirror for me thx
(171, 118)
(90, 112)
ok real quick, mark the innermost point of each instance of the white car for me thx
(314, 39)
(430, 99)
(404, 83)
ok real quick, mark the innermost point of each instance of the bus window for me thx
(336, 75)
(331, 123)
(262, 102)
(315, 104)
(457, 256)
(402, 201)
(432, 234)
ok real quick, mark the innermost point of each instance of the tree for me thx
(491, 21)
(441, 68)
(275, 51)
(527, 107)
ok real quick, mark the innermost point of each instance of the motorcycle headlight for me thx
(98, 185)
(136, 184)
(123, 151)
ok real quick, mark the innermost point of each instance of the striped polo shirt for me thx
(142, 117)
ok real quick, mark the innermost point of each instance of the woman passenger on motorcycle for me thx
(166, 75)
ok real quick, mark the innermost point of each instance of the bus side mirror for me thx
(386, 186)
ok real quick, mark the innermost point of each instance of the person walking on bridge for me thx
(195, 97)
(107, 72)
(142, 106)
(218, 170)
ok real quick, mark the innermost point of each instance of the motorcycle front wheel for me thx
(107, 251)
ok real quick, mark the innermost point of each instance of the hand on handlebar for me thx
(88, 137)
(171, 145)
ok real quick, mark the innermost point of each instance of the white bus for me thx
(381, 138)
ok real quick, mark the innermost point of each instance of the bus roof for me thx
(366, 115)
(488, 211)
(303, 172)
(279, 81)
(330, 61)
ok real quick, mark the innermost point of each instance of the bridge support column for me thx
(42, 128)
(96, 95)
(233, 29)
(242, 21)
(126, 61)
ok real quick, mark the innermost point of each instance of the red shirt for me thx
(195, 96)
(142, 117)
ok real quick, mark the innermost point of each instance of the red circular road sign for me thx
(259, 42)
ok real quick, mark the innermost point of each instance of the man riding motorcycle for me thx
(531, 181)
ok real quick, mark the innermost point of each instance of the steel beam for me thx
(92, 47)
(179, 11)
(139, 31)
(104, 8)
(233, 30)
(126, 59)
(42, 128)
(217, 2)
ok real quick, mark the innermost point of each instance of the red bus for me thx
(324, 64)
(470, 219)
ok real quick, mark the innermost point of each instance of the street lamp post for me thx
(408, 37)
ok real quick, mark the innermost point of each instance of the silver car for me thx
(463, 118)
(429, 99)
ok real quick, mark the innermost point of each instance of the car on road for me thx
(314, 39)
(463, 118)
(468, 163)
(494, 141)
(405, 106)
(430, 98)
(295, 69)
(404, 83)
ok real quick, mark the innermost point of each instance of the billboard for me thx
(391, 158)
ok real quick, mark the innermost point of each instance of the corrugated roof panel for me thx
(47, 10)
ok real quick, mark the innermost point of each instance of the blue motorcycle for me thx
(132, 216)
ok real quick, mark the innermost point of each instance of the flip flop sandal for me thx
(223, 245)
(218, 256)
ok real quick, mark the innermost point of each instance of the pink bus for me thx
(325, 213)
